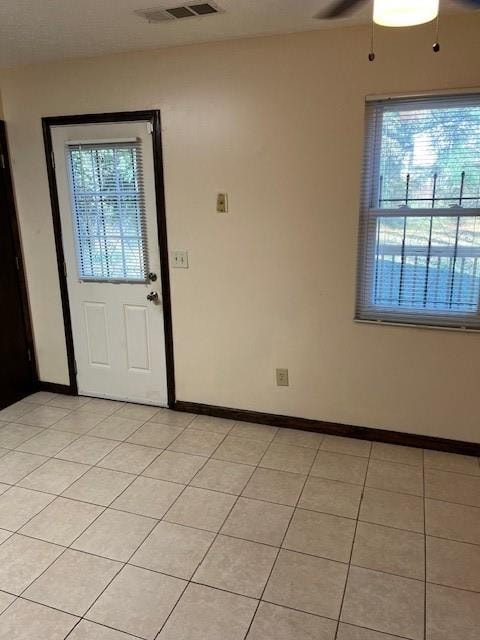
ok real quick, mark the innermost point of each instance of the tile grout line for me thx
(213, 490)
(126, 441)
(69, 547)
(353, 544)
(260, 599)
(217, 533)
(16, 532)
(290, 608)
(321, 477)
(453, 473)
(135, 476)
(37, 405)
(79, 551)
(470, 506)
(49, 458)
(125, 564)
(60, 495)
(104, 508)
(46, 428)
(65, 548)
(103, 626)
(119, 443)
(226, 535)
(206, 461)
(393, 635)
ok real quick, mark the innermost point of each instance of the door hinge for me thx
(149, 127)
(52, 158)
(3, 164)
(29, 355)
(65, 269)
(17, 263)
(75, 366)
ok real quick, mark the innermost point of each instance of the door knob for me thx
(152, 296)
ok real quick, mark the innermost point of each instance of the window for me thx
(109, 210)
(419, 254)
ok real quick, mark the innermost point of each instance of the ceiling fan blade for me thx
(339, 9)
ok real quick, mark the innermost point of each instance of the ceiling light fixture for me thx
(404, 13)
(393, 13)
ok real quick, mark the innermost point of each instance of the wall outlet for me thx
(222, 203)
(282, 377)
(180, 259)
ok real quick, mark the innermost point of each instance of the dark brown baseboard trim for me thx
(333, 428)
(53, 387)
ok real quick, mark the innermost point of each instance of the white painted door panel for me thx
(118, 334)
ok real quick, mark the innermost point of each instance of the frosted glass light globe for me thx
(404, 13)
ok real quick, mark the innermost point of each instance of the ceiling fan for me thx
(391, 13)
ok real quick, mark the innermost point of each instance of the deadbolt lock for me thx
(152, 276)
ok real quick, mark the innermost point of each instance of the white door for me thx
(106, 192)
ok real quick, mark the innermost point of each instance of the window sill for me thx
(413, 325)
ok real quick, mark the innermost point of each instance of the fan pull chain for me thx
(371, 55)
(436, 44)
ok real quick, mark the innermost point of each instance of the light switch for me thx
(222, 203)
(180, 259)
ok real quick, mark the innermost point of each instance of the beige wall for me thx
(278, 124)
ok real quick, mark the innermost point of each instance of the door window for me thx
(108, 206)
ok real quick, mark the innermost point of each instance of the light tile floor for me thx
(120, 521)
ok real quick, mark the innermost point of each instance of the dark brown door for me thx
(17, 366)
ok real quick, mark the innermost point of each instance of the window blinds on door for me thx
(108, 206)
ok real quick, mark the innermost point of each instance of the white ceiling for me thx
(40, 30)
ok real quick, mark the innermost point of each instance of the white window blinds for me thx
(419, 245)
(108, 206)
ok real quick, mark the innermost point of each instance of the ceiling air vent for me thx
(203, 9)
(159, 14)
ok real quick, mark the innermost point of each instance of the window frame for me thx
(365, 309)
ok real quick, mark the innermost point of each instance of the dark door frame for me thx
(11, 212)
(149, 116)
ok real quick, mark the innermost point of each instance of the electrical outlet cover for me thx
(282, 377)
